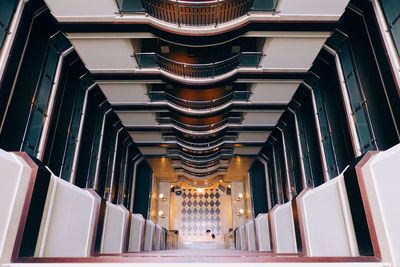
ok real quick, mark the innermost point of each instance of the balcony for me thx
(204, 129)
(206, 145)
(200, 104)
(202, 70)
(223, 153)
(196, 13)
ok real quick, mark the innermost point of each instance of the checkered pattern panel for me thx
(200, 211)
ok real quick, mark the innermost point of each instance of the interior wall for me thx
(195, 211)
(164, 204)
(236, 188)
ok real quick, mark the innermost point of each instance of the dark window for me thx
(6, 13)
(258, 187)
(268, 152)
(308, 138)
(93, 118)
(64, 124)
(142, 189)
(391, 8)
(371, 109)
(292, 151)
(279, 163)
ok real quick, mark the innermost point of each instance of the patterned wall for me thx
(195, 212)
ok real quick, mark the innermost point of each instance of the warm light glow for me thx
(240, 196)
(229, 186)
(162, 197)
(200, 190)
(161, 214)
(221, 181)
(240, 212)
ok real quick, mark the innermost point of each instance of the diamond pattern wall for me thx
(200, 211)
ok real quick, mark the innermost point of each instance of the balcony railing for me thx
(200, 104)
(196, 13)
(200, 159)
(206, 128)
(207, 70)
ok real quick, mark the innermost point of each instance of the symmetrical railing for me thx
(205, 128)
(200, 174)
(200, 104)
(200, 158)
(207, 70)
(196, 12)
(200, 165)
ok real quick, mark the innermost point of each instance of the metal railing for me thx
(208, 127)
(200, 104)
(196, 13)
(223, 153)
(206, 70)
(200, 174)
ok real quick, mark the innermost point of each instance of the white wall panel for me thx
(382, 183)
(326, 220)
(122, 93)
(105, 54)
(312, 7)
(137, 118)
(274, 91)
(76, 8)
(14, 179)
(291, 53)
(282, 229)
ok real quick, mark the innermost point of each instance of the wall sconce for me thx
(161, 214)
(162, 197)
(239, 197)
(240, 212)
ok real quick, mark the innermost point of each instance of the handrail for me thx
(200, 159)
(199, 104)
(199, 13)
(196, 13)
(205, 70)
(207, 127)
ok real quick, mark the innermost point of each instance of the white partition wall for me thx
(380, 180)
(149, 235)
(15, 176)
(282, 229)
(115, 229)
(136, 235)
(325, 215)
(251, 236)
(69, 221)
(263, 239)
(157, 237)
(243, 238)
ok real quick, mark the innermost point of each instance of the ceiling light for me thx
(239, 197)
(200, 190)
(240, 212)
(161, 214)
(162, 197)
